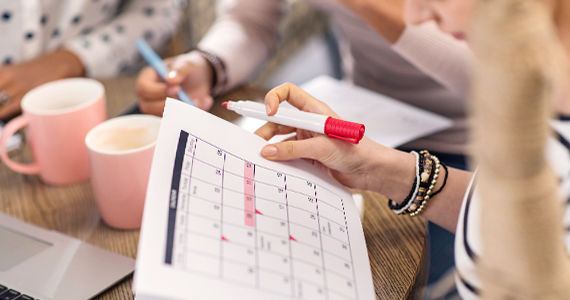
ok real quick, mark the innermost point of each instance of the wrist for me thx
(218, 75)
(392, 174)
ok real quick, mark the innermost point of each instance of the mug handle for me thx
(9, 130)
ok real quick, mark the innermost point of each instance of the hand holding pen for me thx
(343, 160)
(189, 73)
(333, 127)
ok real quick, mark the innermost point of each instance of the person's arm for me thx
(241, 39)
(16, 80)
(243, 36)
(367, 165)
(110, 47)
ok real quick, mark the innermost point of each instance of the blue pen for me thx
(156, 63)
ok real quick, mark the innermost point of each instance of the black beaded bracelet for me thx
(444, 180)
(395, 206)
(413, 191)
(426, 187)
(427, 173)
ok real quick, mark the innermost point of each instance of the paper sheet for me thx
(221, 222)
(388, 122)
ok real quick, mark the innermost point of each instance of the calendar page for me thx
(221, 222)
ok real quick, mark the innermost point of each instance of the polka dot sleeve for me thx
(109, 48)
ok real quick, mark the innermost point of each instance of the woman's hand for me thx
(366, 165)
(17, 80)
(190, 72)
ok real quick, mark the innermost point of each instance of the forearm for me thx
(444, 208)
(58, 64)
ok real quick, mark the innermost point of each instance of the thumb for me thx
(312, 148)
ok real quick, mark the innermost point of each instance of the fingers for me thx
(297, 97)
(180, 67)
(203, 103)
(11, 108)
(152, 107)
(149, 86)
(313, 148)
(269, 130)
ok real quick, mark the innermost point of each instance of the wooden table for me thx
(395, 244)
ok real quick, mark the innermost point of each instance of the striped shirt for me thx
(468, 236)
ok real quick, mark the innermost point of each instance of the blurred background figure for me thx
(48, 40)
(372, 47)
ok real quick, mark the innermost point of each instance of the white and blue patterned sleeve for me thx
(109, 48)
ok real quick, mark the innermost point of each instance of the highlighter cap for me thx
(344, 130)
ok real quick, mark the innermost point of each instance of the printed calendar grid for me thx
(256, 214)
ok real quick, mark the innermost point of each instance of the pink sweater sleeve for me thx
(439, 55)
(244, 35)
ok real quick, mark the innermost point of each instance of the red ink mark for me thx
(258, 212)
(248, 194)
(224, 239)
(292, 238)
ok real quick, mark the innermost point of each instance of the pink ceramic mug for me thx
(58, 115)
(120, 156)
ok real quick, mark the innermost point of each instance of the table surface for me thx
(395, 244)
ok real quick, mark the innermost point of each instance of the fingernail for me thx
(267, 108)
(172, 74)
(269, 151)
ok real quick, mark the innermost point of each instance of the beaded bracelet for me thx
(444, 180)
(416, 210)
(427, 173)
(400, 208)
(427, 177)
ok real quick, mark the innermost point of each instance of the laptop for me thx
(36, 263)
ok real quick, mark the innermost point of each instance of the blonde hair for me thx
(519, 70)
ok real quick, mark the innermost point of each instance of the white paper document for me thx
(388, 122)
(221, 222)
